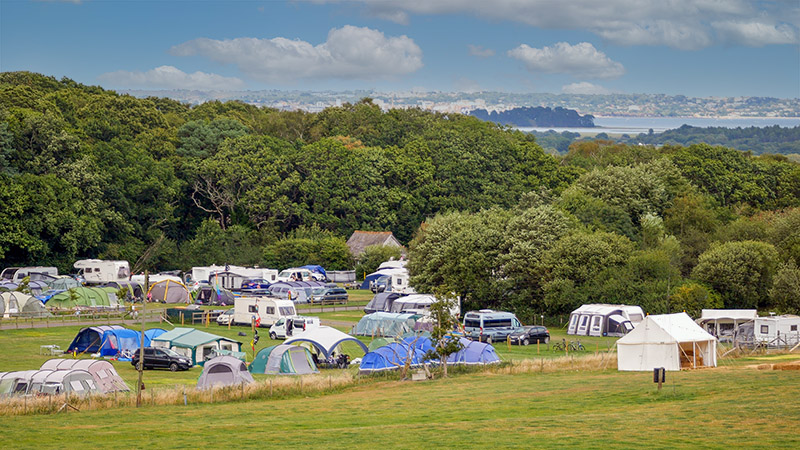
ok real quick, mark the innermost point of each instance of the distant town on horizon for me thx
(632, 105)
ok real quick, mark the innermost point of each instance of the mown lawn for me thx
(712, 408)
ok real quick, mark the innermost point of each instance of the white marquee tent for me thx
(671, 341)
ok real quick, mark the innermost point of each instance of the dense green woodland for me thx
(486, 212)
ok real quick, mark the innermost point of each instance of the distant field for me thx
(712, 408)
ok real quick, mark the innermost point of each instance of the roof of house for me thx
(360, 240)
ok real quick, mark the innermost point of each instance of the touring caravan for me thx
(604, 320)
(103, 271)
(264, 311)
(773, 331)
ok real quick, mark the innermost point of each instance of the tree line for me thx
(489, 215)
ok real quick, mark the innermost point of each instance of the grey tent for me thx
(169, 291)
(224, 371)
(63, 283)
(381, 302)
(74, 381)
(385, 324)
(105, 376)
(18, 304)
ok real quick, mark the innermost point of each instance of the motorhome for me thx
(490, 326)
(103, 271)
(17, 274)
(263, 311)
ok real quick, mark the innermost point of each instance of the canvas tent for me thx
(89, 339)
(210, 295)
(169, 291)
(73, 381)
(384, 324)
(224, 371)
(325, 339)
(85, 297)
(105, 376)
(671, 341)
(284, 360)
(382, 301)
(121, 343)
(195, 344)
(395, 355)
(18, 304)
(473, 353)
(604, 320)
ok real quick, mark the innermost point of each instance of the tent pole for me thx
(139, 384)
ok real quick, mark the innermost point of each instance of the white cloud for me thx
(755, 34)
(684, 24)
(169, 77)
(581, 60)
(584, 87)
(477, 50)
(349, 52)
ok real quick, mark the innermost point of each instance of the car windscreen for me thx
(170, 352)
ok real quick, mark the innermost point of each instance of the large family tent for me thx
(671, 341)
(604, 320)
(325, 339)
(395, 355)
(121, 343)
(473, 353)
(169, 291)
(63, 283)
(85, 297)
(382, 301)
(17, 382)
(105, 376)
(211, 295)
(195, 344)
(89, 339)
(36, 287)
(385, 324)
(284, 359)
(414, 303)
(72, 381)
(224, 371)
(18, 304)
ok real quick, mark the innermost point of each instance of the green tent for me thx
(85, 297)
(283, 359)
(195, 344)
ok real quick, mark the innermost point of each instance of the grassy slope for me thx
(708, 408)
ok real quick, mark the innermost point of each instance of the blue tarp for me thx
(123, 341)
(395, 355)
(314, 268)
(474, 352)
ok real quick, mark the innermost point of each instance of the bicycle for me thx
(576, 346)
(560, 346)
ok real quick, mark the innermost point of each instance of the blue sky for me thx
(696, 48)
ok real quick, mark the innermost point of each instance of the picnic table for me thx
(50, 350)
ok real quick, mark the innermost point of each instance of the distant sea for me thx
(636, 125)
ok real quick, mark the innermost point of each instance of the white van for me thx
(103, 271)
(265, 311)
(17, 274)
(299, 324)
(295, 274)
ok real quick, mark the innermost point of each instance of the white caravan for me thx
(206, 274)
(263, 311)
(296, 274)
(103, 271)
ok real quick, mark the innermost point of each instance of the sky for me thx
(697, 48)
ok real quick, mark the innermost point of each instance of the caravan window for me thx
(252, 308)
(584, 319)
(472, 322)
(287, 310)
(497, 323)
(270, 310)
(573, 320)
(793, 328)
(764, 329)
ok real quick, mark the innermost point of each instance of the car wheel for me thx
(173, 367)
(488, 339)
(547, 340)
(273, 336)
(525, 341)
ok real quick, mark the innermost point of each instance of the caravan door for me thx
(596, 329)
(573, 323)
(583, 325)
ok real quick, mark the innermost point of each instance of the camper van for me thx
(264, 311)
(17, 274)
(103, 271)
(296, 274)
(298, 325)
(490, 326)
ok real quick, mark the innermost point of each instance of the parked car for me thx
(530, 335)
(255, 285)
(329, 295)
(162, 358)
(379, 284)
(226, 317)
